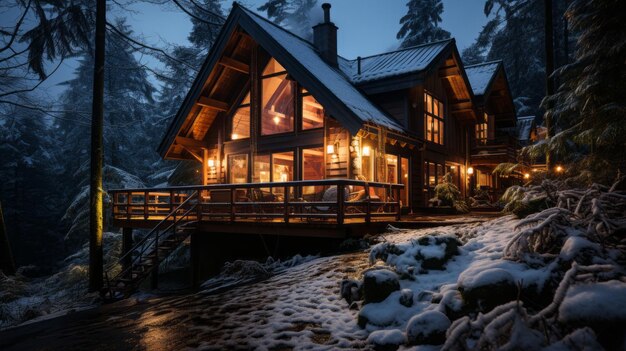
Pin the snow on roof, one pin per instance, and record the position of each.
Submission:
(481, 75)
(333, 79)
(524, 126)
(393, 63)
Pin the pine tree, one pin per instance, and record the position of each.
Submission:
(130, 134)
(291, 14)
(420, 25)
(590, 104)
(514, 34)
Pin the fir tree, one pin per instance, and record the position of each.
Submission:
(590, 105)
(292, 14)
(420, 25)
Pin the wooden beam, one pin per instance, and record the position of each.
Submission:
(460, 105)
(212, 103)
(190, 143)
(446, 72)
(234, 64)
(192, 153)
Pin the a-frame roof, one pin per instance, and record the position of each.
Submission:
(328, 84)
(482, 75)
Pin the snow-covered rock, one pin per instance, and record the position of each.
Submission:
(487, 289)
(386, 339)
(603, 303)
(428, 327)
(378, 284)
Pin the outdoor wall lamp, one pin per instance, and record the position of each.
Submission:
(332, 149)
(366, 151)
(470, 170)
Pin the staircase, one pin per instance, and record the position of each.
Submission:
(145, 256)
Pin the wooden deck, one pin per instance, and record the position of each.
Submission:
(320, 208)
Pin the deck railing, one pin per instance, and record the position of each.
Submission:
(330, 200)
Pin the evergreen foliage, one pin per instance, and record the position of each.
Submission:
(514, 33)
(420, 25)
(295, 15)
(589, 107)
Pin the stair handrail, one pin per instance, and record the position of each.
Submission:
(147, 236)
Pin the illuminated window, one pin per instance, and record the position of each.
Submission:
(313, 163)
(481, 131)
(404, 179)
(261, 172)
(240, 128)
(277, 100)
(238, 168)
(312, 112)
(434, 119)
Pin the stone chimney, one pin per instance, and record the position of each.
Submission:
(325, 37)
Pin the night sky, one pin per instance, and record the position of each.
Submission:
(366, 27)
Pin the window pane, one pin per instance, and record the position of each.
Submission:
(392, 168)
(283, 167)
(440, 173)
(278, 105)
(436, 107)
(432, 173)
(273, 67)
(404, 174)
(312, 113)
(313, 164)
(246, 100)
(429, 104)
(261, 169)
(238, 168)
(241, 123)
(441, 133)
(440, 109)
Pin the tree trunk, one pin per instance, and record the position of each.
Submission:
(549, 46)
(96, 219)
(7, 264)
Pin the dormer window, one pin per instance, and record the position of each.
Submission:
(434, 119)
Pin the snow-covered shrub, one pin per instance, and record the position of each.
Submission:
(448, 194)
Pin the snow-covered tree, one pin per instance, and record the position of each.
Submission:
(589, 107)
(295, 15)
(514, 33)
(420, 25)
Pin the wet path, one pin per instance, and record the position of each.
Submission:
(299, 309)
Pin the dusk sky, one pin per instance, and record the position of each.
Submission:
(366, 27)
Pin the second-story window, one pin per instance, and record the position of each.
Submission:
(312, 112)
(434, 119)
(481, 131)
(277, 100)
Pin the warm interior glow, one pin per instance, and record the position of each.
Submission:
(234, 136)
(452, 167)
(330, 149)
(526, 175)
(211, 162)
(470, 170)
(366, 150)
(276, 120)
(559, 169)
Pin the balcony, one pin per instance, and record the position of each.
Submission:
(495, 151)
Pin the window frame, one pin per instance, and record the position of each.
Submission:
(438, 117)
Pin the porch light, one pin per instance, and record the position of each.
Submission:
(332, 148)
(559, 169)
(211, 162)
(526, 175)
(366, 151)
(452, 167)
(470, 170)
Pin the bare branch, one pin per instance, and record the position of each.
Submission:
(17, 28)
(194, 16)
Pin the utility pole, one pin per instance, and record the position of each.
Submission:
(96, 218)
(549, 48)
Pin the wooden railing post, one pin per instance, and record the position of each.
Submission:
(340, 203)
(232, 204)
(398, 204)
(129, 196)
(145, 204)
(286, 203)
(368, 205)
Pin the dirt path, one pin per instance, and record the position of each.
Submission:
(299, 309)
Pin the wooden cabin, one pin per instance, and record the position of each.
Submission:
(293, 140)
(495, 138)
